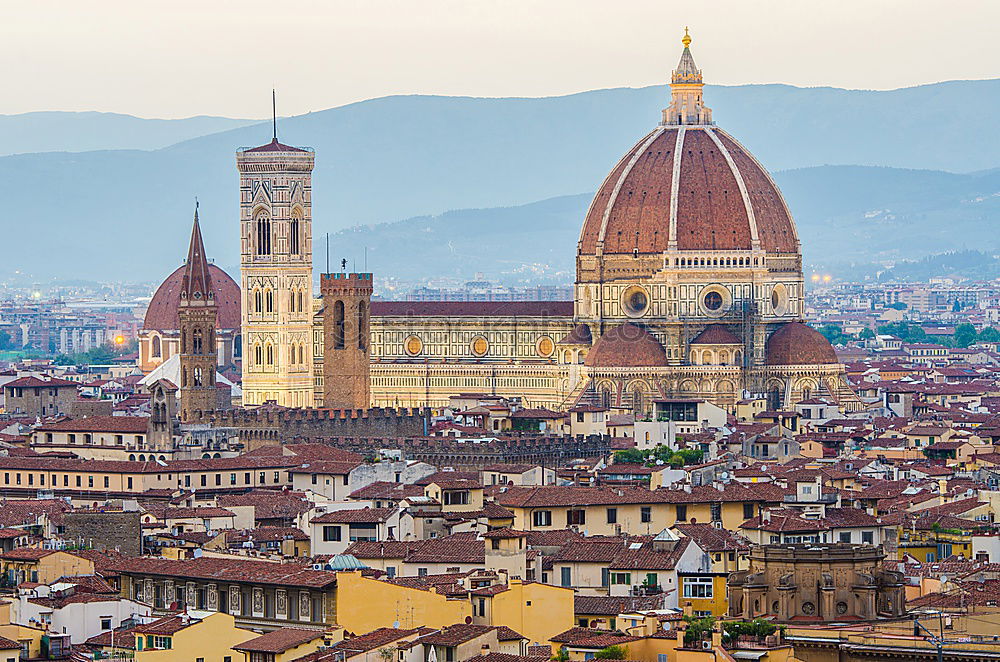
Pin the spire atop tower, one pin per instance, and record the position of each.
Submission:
(274, 116)
(686, 84)
(196, 285)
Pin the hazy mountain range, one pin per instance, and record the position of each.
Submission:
(523, 163)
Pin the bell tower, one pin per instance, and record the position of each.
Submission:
(276, 273)
(346, 340)
(197, 315)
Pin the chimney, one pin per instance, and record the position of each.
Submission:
(942, 487)
(688, 609)
(485, 650)
(765, 517)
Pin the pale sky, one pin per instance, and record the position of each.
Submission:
(221, 57)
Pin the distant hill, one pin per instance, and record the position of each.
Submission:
(850, 220)
(57, 131)
(125, 214)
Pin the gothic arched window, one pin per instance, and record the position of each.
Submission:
(293, 237)
(302, 353)
(258, 355)
(270, 354)
(196, 342)
(268, 301)
(302, 306)
(338, 325)
(198, 376)
(263, 227)
(258, 301)
(362, 325)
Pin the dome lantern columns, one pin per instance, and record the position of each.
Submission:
(686, 87)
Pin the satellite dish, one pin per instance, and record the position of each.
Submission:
(395, 624)
(468, 620)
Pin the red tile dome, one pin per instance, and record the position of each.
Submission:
(796, 343)
(693, 187)
(627, 346)
(161, 315)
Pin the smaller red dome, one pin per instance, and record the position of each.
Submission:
(161, 315)
(796, 343)
(716, 334)
(627, 346)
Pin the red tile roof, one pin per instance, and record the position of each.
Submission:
(280, 640)
(230, 570)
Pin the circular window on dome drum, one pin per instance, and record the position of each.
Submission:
(413, 345)
(779, 299)
(545, 346)
(480, 346)
(715, 300)
(635, 301)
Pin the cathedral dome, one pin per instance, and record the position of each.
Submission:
(627, 346)
(687, 185)
(795, 343)
(161, 315)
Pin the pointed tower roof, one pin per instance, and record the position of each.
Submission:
(196, 285)
(687, 71)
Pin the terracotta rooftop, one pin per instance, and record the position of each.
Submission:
(280, 640)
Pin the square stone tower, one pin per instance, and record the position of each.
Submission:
(276, 273)
(346, 340)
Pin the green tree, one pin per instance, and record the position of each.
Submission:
(905, 331)
(866, 334)
(561, 655)
(834, 334)
(965, 335)
(698, 628)
(612, 653)
(5, 341)
(989, 334)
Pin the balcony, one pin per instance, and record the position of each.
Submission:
(822, 498)
(645, 590)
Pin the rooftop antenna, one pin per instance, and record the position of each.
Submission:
(327, 252)
(274, 116)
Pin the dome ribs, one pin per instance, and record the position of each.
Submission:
(774, 222)
(707, 219)
(590, 236)
(642, 207)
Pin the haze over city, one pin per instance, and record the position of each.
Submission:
(221, 58)
(500, 331)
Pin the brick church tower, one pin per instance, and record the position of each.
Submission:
(196, 313)
(346, 340)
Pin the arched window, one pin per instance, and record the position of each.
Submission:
(268, 301)
(302, 298)
(258, 301)
(338, 325)
(258, 355)
(291, 302)
(362, 325)
(197, 345)
(293, 237)
(263, 235)
(302, 353)
(198, 381)
(157, 348)
(184, 377)
(270, 354)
